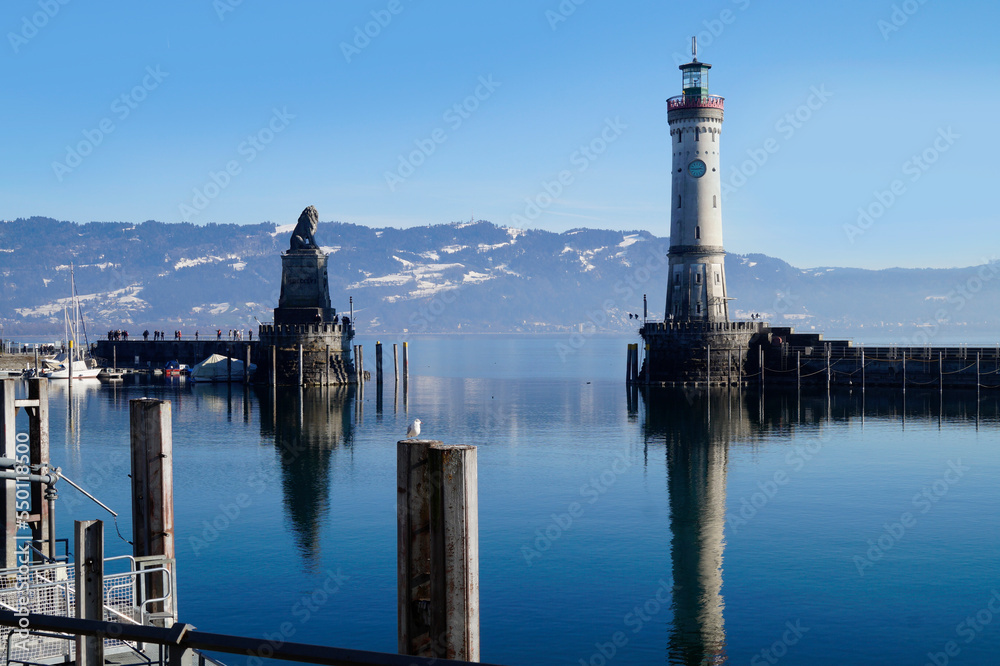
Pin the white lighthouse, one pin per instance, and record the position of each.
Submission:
(697, 284)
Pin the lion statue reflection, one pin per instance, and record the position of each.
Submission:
(304, 236)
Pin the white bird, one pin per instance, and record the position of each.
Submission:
(414, 430)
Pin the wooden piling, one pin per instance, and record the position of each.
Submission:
(977, 374)
(438, 550)
(89, 570)
(378, 363)
(739, 369)
(829, 350)
(760, 361)
(301, 368)
(862, 369)
(151, 433)
(941, 371)
(8, 449)
(798, 371)
(413, 545)
(455, 550)
(645, 377)
(38, 443)
(628, 363)
(635, 362)
(904, 370)
(395, 363)
(708, 365)
(406, 361)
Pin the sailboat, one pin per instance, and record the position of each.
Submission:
(72, 364)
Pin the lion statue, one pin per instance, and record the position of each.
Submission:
(304, 235)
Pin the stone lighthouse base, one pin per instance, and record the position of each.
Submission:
(322, 351)
(691, 352)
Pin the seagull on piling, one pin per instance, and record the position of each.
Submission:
(414, 430)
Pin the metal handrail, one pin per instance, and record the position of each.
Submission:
(182, 637)
(144, 658)
(695, 102)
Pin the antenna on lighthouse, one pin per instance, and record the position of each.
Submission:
(694, 48)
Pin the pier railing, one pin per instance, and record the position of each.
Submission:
(651, 326)
(51, 590)
(893, 352)
(180, 645)
(695, 102)
(210, 336)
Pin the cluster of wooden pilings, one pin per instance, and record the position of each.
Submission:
(437, 525)
(34, 505)
(359, 355)
(152, 476)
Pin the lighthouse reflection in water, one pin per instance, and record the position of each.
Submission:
(694, 428)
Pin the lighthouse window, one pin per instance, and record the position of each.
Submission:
(697, 278)
(716, 278)
(698, 308)
(678, 136)
(678, 201)
(713, 137)
(715, 199)
(697, 233)
(696, 134)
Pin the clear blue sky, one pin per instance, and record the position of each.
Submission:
(183, 85)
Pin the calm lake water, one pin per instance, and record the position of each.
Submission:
(616, 526)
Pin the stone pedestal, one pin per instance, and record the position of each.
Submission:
(304, 318)
(690, 352)
(305, 290)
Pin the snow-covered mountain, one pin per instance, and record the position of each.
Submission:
(461, 277)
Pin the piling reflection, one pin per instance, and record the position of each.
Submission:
(307, 425)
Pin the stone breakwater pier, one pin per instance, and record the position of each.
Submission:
(141, 354)
(755, 354)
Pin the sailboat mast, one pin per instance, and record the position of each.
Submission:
(76, 305)
(66, 327)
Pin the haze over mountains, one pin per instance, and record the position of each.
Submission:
(452, 278)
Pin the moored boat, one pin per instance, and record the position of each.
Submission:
(175, 369)
(219, 368)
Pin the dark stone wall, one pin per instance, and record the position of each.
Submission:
(315, 340)
(696, 352)
(156, 354)
(678, 353)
